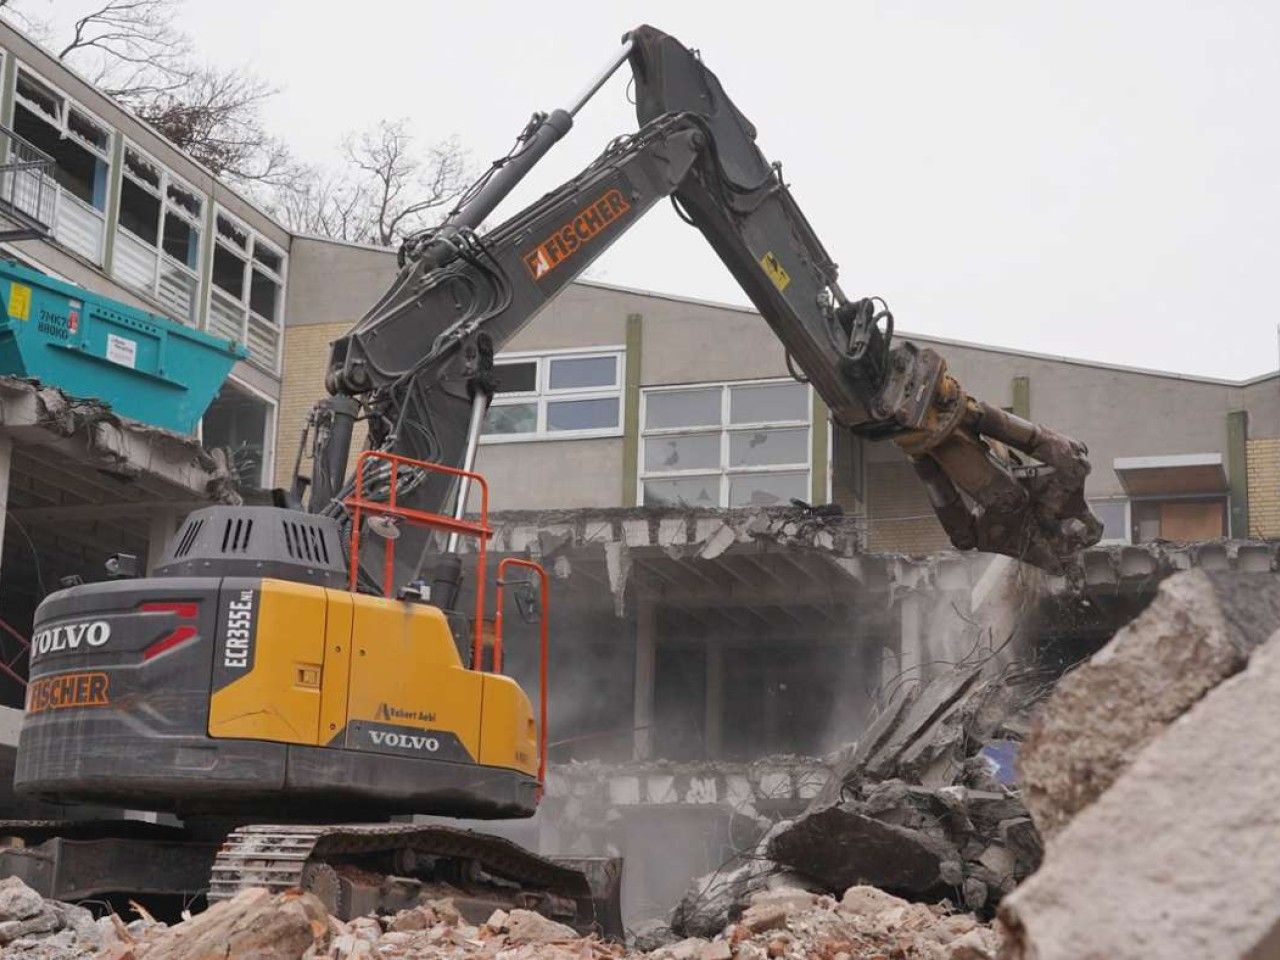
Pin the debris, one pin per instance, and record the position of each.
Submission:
(842, 846)
(34, 928)
(1188, 829)
(1198, 630)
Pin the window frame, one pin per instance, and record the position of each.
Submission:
(543, 394)
(1127, 503)
(196, 223)
(60, 124)
(725, 428)
(271, 426)
(246, 253)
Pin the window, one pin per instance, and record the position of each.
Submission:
(158, 237)
(725, 445)
(242, 423)
(247, 294)
(1114, 515)
(81, 146)
(557, 396)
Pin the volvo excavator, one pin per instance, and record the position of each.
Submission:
(291, 679)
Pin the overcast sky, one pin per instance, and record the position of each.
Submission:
(1094, 179)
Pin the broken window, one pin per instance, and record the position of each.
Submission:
(246, 299)
(557, 396)
(241, 423)
(81, 148)
(158, 235)
(758, 454)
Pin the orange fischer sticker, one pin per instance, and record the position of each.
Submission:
(575, 234)
(68, 690)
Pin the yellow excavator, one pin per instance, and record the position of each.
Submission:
(292, 677)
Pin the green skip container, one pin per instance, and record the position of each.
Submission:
(147, 367)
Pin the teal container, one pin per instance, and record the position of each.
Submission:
(147, 367)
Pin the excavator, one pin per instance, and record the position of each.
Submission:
(292, 680)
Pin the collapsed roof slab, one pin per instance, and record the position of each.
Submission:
(81, 483)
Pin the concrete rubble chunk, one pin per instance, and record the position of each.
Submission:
(1199, 630)
(842, 847)
(1180, 856)
(18, 901)
(865, 901)
(254, 923)
(529, 927)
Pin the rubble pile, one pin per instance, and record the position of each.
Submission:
(787, 924)
(917, 808)
(33, 928)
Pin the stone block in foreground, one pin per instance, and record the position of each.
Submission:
(1179, 858)
(1199, 630)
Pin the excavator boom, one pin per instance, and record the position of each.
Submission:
(419, 364)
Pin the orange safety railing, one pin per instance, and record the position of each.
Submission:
(543, 638)
(359, 505)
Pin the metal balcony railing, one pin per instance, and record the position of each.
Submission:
(28, 192)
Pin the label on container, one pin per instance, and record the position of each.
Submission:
(122, 350)
(19, 301)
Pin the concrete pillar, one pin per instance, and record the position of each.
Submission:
(646, 664)
(713, 723)
(913, 647)
(162, 525)
(6, 460)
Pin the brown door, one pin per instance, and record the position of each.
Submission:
(1192, 519)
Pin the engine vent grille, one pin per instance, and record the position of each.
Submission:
(188, 538)
(305, 542)
(235, 536)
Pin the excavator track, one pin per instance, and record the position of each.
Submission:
(360, 868)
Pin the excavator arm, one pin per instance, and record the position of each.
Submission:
(418, 367)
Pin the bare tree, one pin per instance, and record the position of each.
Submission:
(132, 50)
(215, 116)
(131, 47)
(386, 191)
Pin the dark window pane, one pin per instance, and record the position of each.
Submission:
(139, 212)
(569, 373)
(230, 232)
(181, 240)
(582, 414)
(88, 130)
(185, 199)
(266, 256)
(263, 296)
(141, 169)
(519, 377)
(46, 101)
(228, 272)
